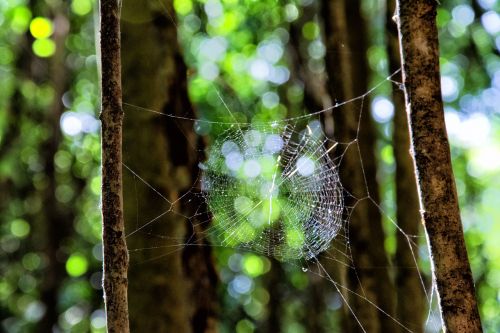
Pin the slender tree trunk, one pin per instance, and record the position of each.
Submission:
(341, 87)
(380, 266)
(274, 282)
(347, 73)
(113, 229)
(408, 283)
(316, 98)
(172, 286)
(315, 93)
(340, 83)
(316, 304)
(431, 153)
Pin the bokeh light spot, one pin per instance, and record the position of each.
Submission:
(305, 166)
(183, 7)
(491, 22)
(44, 47)
(81, 7)
(252, 168)
(310, 30)
(41, 27)
(245, 326)
(273, 143)
(20, 228)
(6, 56)
(71, 124)
(383, 109)
(243, 204)
(234, 160)
(21, 17)
(463, 14)
(253, 265)
(76, 265)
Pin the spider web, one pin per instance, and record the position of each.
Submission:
(273, 188)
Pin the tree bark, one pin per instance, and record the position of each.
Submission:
(431, 154)
(172, 287)
(408, 282)
(113, 229)
(347, 74)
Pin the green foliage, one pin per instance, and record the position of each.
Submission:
(239, 49)
(27, 127)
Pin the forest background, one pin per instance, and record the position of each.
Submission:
(268, 58)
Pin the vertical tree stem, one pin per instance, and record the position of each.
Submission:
(113, 236)
(347, 78)
(431, 154)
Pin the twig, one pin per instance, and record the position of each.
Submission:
(113, 233)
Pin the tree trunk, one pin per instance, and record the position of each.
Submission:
(316, 98)
(380, 266)
(113, 233)
(408, 282)
(431, 154)
(347, 71)
(274, 282)
(171, 287)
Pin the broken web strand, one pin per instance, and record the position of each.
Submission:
(210, 230)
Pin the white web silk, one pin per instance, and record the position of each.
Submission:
(273, 190)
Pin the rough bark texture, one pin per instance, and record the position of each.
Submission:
(431, 153)
(113, 233)
(410, 309)
(172, 286)
(347, 71)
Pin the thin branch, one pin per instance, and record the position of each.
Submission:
(113, 233)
